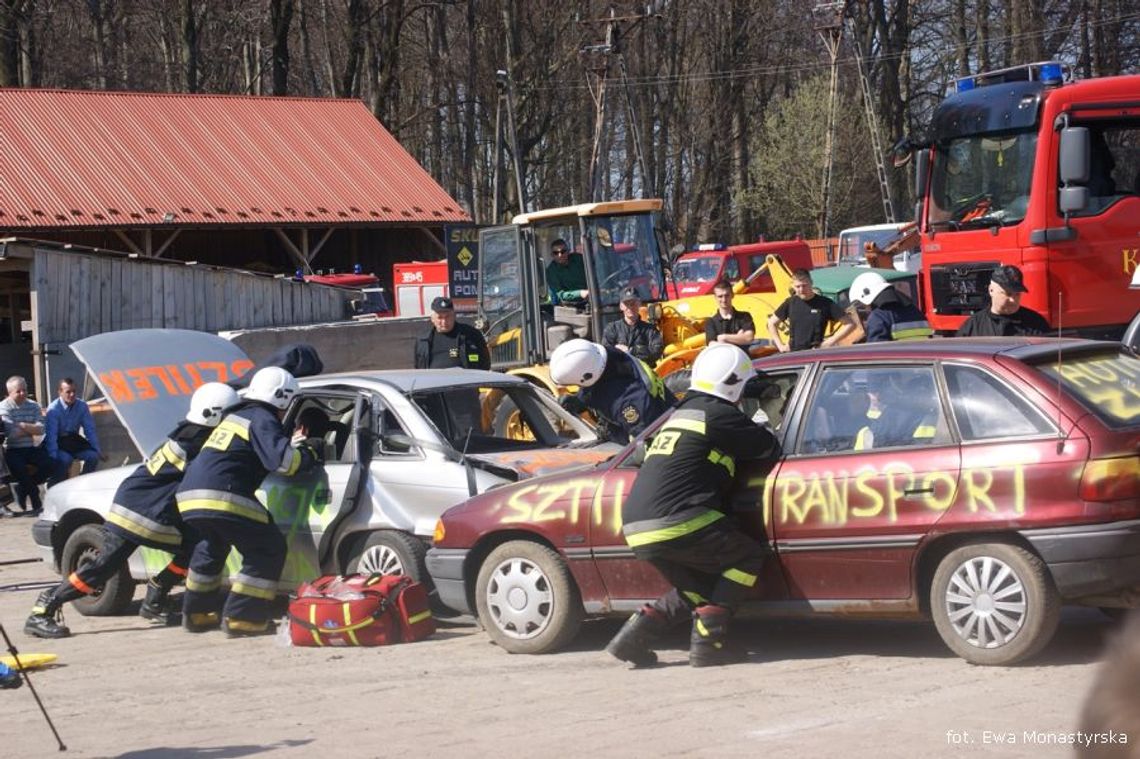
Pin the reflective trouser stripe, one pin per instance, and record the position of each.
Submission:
(739, 577)
(700, 625)
(220, 500)
(136, 524)
(200, 583)
(675, 531)
(82, 587)
(695, 597)
(254, 586)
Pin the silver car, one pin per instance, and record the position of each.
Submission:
(402, 447)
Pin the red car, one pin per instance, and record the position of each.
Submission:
(979, 482)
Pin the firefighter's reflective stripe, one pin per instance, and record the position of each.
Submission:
(658, 530)
(924, 432)
(222, 500)
(169, 452)
(290, 462)
(136, 524)
(864, 439)
(655, 384)
(232, 426)
(687, 420)
(728, 462)
(176, 569)
(914, 330)
(696, 598)
(79, 585)
(257, 587)
(739, 577)
(199, 583)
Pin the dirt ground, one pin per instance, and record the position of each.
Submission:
(812, 688)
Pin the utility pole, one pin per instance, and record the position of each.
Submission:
(607, 54)
(505, 83)
(828, 22)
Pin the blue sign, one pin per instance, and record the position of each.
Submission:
(463, 264)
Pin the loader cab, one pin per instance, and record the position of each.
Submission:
(522, 318)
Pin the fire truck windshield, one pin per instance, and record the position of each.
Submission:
(982, 180)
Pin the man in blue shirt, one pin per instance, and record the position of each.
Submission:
(65, 417)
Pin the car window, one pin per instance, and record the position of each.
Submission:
(859, 409)
(732, 269)
(325, 421)
(1107, 383)
(986, 408)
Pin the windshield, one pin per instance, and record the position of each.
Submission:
(1108, 384)
(702, 269)
(982, 180)
(625, 255)
(499, 419)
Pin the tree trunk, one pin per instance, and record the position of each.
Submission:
(189, 48)
(281, 22)
(9, 44)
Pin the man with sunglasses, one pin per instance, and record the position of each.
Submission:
(566, 275)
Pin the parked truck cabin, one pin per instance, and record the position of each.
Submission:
(854, 240)
(1028, 167)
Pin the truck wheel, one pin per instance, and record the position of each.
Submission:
(83, 547)
(526, 598)
(508, 422)
(390, 552)
(994, 603)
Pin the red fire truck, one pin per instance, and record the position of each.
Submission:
(1024, 166)
(695, 272)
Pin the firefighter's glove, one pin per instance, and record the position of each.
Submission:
(573, 404)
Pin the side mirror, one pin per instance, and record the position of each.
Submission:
(901, 152)
(922, 172)
(1073, 199)
(396, 442)
(1075, 155)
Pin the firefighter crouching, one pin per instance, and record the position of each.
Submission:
(217, 498)
(673, 517)
(144, 513)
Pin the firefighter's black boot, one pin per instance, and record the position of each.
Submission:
(634, 641)
(239, 628)
(47, 617)
(201, 621)
(157, 607)
(708, 645)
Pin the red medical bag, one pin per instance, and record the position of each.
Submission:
(359, 610)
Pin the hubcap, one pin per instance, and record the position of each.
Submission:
(986, 602)
(381, 560)
(519, 599)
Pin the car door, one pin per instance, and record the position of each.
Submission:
(873, 468)
(309, 505)
(1013, 469)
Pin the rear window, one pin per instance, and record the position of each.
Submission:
(1107, 383)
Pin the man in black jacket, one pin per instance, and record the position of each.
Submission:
(1006, 316)
(450, 343)
(632, 335)
(674, 516)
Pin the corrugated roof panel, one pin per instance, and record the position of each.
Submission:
(91, 159)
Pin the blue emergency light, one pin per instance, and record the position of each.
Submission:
(711, 246)
(357, 269)
(965, 84)
(1051, 74)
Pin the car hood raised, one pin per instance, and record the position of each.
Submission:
(148, 375)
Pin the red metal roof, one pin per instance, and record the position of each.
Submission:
(102, 159)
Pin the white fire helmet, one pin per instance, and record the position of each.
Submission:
(867, 287)
(274, 386)
(577, 362)
(721, 370)
(209, 402)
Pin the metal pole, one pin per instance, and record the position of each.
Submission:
(24, 673)
(495, 189)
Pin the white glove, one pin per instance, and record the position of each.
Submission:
(760, 418)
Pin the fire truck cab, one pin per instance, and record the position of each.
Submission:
(1024, 166)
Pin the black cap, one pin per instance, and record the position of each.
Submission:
(629, 293)
(442, 304)
(1008, 278)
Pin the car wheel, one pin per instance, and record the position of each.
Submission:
(390, 552)
(526, 598)
(83, 547)
(994, 603)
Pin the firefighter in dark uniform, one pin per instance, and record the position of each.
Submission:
(217, 498)
(619, 389)
(674, 515)
(144, 513)
(892, 318)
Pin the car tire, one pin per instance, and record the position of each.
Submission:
(84, 546)
(968, 587)
(526, 599)
(390, 552)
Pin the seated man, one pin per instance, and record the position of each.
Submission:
(29, 463)
(566, 275)
(66, 416)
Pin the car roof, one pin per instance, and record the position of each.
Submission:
(1019, 348)
(409, 380)
(836, 278)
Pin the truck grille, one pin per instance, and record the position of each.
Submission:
(961, 288)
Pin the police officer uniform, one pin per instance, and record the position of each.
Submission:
(627, 397)
(218, 498)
